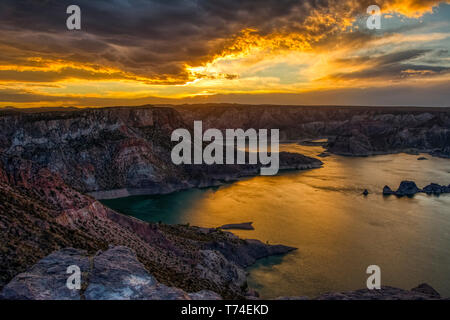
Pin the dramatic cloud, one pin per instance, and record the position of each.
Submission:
(130, 49)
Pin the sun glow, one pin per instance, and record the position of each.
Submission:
(329, 49)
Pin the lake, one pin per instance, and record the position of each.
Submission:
(322, 212)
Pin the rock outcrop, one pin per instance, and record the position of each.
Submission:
(409, 188)
(387, 191)
(50, 161)
(351, 131)
(115, 274)
(421, 292)
(246, 255)
(39, 214)
(436, 189)
(114, 152)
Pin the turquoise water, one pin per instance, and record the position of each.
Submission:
(338, 232)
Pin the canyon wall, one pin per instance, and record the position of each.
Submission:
(352, 131)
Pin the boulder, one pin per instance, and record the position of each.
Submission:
(427, 290)
(433, 188)
(115, 274)
(407, 188)
(47, 279)
(387, 191)
(436, 189)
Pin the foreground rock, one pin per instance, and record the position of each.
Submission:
(422, 292)
(246, 255)
(115, 274)
(40, 214)
(47, 279)
(409, 188)
(238, 226)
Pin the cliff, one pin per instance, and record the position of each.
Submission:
(352, 131)
(51, 161)
(40, 214)
(115, 152)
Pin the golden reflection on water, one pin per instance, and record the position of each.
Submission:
(338, 231)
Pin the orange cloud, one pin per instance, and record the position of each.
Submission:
(311, 38)
(411, 8)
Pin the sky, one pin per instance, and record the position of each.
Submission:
(312, 52)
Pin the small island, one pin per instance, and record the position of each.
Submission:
(238, 226)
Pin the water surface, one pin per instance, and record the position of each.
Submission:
(338, 232)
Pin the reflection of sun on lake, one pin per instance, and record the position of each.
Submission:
(338, 232)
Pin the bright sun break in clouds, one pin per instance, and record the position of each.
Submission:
(295, 52)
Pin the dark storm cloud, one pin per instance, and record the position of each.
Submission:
(156, 39)
(153, 38)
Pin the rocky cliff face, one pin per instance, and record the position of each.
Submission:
(49, 161)
(352, 131)
(96, 149)
(114, 152)
(120, 151)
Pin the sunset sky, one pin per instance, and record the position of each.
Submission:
(134, 52)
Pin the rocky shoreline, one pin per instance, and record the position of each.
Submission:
(189, 258)
(217, 176)
(409, 188)
(350, 131)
